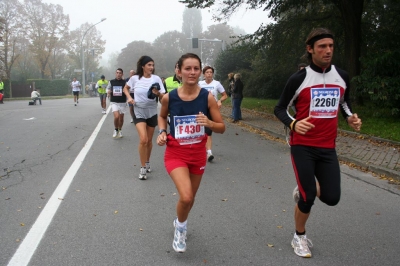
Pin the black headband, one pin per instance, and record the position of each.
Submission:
(319, 37)
(145, 60)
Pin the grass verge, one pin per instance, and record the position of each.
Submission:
(376, 122)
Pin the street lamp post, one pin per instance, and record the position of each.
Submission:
(208, 40)
(83, 60)
(92, 49)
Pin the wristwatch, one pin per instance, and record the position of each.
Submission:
(161, 131)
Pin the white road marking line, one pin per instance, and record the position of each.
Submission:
(28, 246)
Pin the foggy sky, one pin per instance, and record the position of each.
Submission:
(129, 20)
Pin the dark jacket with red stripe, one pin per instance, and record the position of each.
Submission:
(309, 91)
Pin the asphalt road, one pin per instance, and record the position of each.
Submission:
(243, 213)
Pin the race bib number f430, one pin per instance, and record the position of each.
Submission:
(324, 102)
(187, 131)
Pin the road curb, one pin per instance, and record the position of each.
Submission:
(368, 167)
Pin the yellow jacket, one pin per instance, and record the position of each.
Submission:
(101, 86)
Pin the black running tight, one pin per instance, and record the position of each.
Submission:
(310, 164)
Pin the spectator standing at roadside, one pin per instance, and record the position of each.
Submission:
(231, 81)
(317, 92)
(237, 97)
(101, 87)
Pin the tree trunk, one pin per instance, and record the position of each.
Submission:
(352, 14)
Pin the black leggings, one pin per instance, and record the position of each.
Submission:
(310, 163)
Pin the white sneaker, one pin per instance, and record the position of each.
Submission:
(131, 120)
(142, 174)
(179, 242)
(103, 111)
(119, 134)
(148, 169)
(115, 134)
(302, 245)
(75, 104)
(210, 157)
(296, 194)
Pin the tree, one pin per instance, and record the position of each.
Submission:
(192, 23)
(10, 11)
(93, 46)
(171, 45)
(350, 11)
(210, 49)
(25, 66)
(234, 59)
(130, 55)
(2, 57)
(379, 80)
(46, 24)
(112, 65)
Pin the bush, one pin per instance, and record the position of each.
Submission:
(47, 87)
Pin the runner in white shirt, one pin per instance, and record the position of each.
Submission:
(146, 87)
(215, 88)
(76, 88)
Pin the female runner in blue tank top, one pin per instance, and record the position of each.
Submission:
(185, 155)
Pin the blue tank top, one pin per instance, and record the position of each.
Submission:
(177, 107)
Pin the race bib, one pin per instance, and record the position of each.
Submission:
(187, 131)
(212, 90)
(324, 102)
(117, 90)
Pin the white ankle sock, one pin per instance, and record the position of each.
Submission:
(182, 225)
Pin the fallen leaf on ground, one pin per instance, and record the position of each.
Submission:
(280, 226)
(115, 212)
(270, 245)
(22, 224)
(225, 200)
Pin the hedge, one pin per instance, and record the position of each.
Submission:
(55, 87)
